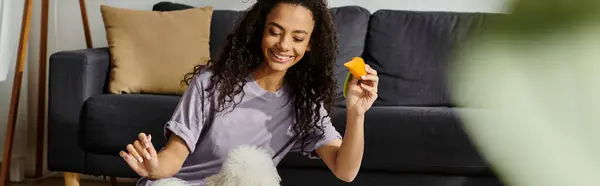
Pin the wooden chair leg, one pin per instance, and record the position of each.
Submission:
(86, 24)
(42, 82)
(71, 179)
(113, 181)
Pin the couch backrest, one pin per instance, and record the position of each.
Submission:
(351, 24)
(222, 24)
(411, 50)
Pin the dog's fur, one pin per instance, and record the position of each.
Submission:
(244, 166)
(170, 182)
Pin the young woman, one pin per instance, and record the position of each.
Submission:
(273, 82)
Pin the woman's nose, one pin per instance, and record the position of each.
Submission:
(283, 44)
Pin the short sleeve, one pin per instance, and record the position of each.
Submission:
(315, 140)
(187, 119)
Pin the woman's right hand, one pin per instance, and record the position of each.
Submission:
(141, 156)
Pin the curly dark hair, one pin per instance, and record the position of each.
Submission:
(311, 80)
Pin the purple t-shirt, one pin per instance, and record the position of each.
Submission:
(262, 119)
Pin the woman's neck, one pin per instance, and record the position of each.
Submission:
(268, 79)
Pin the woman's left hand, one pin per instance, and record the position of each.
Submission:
(362, 93)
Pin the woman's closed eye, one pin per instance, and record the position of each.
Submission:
(274, 33)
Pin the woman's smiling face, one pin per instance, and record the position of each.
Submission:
(286, 36)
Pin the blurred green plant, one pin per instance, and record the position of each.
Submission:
(529, 83)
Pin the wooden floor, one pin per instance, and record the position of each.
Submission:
(60, 182)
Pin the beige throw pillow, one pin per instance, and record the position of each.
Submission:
(151, 51)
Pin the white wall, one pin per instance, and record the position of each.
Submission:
(70, 31)
(9, 41)
(24, 141)
(66, 33)
(3, 63)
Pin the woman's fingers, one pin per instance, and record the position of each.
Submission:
(141, 150)
(370, 70)
(133, 152)
(371, 81)
(372, 78)
(138, 151)
(144, 140)
(369, 89)
(150, 147)
(131, 161)
(126, 156)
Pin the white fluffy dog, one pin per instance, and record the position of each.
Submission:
(244, 166)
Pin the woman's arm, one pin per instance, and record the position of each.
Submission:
(146, 162)
(171, 158)
(183, 132)
(345, 157)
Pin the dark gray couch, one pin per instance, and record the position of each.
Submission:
(413, 133)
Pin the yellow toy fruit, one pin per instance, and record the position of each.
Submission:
(356, 67)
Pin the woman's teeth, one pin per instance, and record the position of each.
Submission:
(281, 57)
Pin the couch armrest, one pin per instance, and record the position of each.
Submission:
(74, 76)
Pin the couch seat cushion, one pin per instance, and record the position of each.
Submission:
(411, 139)
(109, 122)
